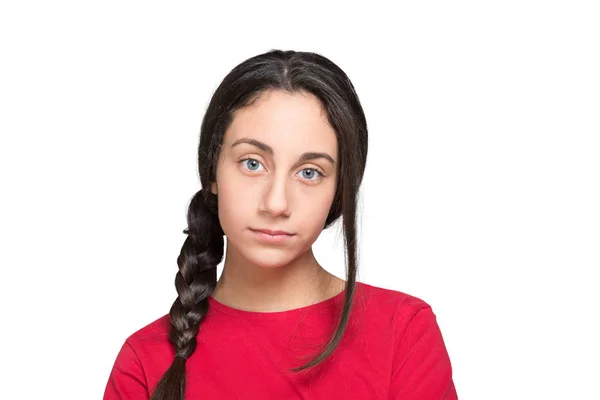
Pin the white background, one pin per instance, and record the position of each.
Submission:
(481, 194)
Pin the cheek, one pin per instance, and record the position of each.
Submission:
(312, 214)
(233, 211)
(233, 200)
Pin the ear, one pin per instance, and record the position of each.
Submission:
(213, 187)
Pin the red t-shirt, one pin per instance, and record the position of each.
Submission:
(392, 349)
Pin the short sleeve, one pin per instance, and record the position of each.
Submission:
(127, 380)
(421, 368)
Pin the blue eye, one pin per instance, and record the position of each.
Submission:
(313, 172)
(253, 164)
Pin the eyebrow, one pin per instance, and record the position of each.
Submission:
(268, 149)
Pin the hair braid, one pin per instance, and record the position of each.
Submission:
(200, 254)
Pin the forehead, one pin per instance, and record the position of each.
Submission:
(287, 122)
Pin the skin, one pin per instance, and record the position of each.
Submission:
(278, 192)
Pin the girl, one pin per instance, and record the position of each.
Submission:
(283, 147)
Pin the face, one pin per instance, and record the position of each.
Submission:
(277, 170)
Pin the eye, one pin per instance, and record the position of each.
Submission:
(311, 174)
(253, 163)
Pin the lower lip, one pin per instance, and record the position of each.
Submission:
(265, 237)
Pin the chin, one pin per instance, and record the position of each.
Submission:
(270, 259)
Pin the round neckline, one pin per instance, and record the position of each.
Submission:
(271, 315)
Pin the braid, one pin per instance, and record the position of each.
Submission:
(200, 254)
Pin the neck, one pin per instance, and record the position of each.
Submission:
(247, 286)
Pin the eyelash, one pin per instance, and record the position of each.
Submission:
(321, 175)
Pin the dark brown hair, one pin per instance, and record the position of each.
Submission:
(203, 248)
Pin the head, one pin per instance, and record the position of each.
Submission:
(283, 146)
(277, 170)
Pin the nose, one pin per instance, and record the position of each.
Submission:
(275, 200)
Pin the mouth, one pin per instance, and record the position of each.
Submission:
(273, 237)
(273, 232)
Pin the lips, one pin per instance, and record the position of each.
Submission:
(273, 232)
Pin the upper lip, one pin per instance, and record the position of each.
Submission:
(272, 232)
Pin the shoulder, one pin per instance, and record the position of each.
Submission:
(391, 310)
(152, 331)
(143, 357)
(419, 361)
(147, 348)
(389, 301)
(151, 338)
